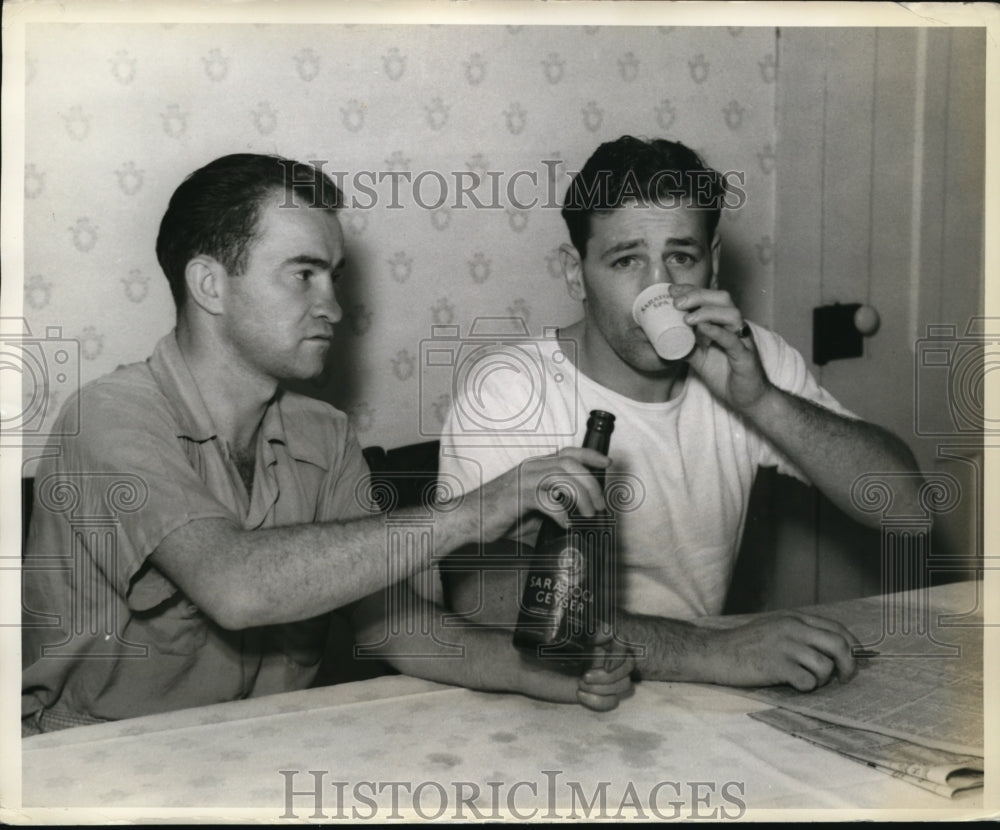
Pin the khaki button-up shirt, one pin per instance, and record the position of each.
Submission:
(106, 634)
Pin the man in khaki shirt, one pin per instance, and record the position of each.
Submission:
(191, 540)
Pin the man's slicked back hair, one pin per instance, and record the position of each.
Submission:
(660, 173)
(214, 212)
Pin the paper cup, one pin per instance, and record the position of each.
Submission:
(664, 325)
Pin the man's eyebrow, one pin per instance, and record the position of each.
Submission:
(316, 262)
(686, 241)
(628, 244)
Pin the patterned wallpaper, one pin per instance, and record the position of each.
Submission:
(117, 115)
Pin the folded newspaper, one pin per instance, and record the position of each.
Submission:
(937, 770)
(914, 708)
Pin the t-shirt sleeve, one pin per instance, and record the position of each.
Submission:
(128, 472)
(786, 369)
(464, 466)
(469, 459)
(471, 455)
(473, 452)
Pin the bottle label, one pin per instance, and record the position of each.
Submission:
(559, 590)
(557, 604)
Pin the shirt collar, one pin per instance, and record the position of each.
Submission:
(171, 372)
(293, 420)
(287, 420)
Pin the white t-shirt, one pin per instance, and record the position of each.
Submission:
(681, 470)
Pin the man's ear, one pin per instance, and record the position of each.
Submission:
(572, 265)
(716, 249)
(206, 283)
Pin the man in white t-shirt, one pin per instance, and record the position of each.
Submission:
(690, 433)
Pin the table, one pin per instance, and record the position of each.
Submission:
(405, 747)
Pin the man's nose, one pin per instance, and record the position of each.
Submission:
(658, 272)
(326, 304)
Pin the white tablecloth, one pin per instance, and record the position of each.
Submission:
(423, 750)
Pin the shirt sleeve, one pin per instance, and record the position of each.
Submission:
(346, 493)
(786, 369)
(126, 470)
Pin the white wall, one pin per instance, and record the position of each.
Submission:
(117, 115)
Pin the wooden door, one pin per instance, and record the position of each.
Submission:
(880, 200)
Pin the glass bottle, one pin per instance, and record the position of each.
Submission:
(569, 588)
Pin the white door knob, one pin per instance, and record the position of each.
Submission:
(866, 320)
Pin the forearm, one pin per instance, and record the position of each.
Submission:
(664, 649)
(490, 663)
(476, 658)
(667, 649)
(802, 650)
(244, 578)
(834, 451)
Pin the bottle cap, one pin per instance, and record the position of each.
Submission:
(601, 420)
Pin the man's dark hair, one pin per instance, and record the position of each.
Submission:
(660, 173)
(214, 211)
